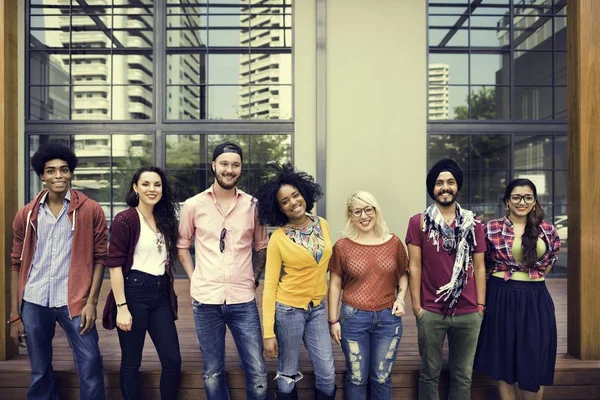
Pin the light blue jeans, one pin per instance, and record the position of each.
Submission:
(244, 323)
(294, 325)
(370, 340)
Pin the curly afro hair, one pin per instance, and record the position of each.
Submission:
(52, 151)
(269, 212)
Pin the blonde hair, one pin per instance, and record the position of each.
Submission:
(364, 199)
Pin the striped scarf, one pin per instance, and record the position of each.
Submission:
(464, 245)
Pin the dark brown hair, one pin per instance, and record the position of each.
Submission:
(534, 219)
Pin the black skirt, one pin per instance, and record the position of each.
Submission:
(517, 342)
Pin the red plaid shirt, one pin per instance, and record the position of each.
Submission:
(500, 237)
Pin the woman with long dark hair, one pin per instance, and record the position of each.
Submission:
(142, 249)
(296, 282)
(517, 342)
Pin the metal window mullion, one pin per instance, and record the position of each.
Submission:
(112, 189)
(469, 58)
(159, 98)
(511, 61)
(512, 156)
(71, 82)
(112, 69)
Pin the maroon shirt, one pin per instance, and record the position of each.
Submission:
(436, 268)
(124, 235)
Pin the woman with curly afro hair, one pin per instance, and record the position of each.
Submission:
(296, 282)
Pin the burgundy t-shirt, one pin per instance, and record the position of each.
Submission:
(436, 268)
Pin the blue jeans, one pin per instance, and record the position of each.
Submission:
(148, 302)
(40, 323)
(369, 341)
(294, 325)
(244, 323)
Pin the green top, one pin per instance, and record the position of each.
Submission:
(517, 249)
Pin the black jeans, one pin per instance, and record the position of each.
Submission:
(147, 300)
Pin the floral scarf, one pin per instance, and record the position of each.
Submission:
(309, 237)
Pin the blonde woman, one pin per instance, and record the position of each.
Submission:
(370, 265)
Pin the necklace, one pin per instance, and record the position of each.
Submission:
(160, 239)
(299, 226)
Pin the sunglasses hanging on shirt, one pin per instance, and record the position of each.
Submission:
(448, 239)
(222, 240)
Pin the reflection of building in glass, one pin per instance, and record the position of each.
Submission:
(114, 86)
(537, 32)
(189, 68)
(438, 97)
(264, 78)
(48, 102)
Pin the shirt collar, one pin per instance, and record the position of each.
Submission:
(211, 190)
(67, 197)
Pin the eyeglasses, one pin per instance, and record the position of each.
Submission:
(222, 240)
(449, 240)
(357, 212)
(516, 198)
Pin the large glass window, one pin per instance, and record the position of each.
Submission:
(127, 83)
(497, 101)
(497, 60)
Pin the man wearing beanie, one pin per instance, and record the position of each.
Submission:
(446, 246)
(222, 221)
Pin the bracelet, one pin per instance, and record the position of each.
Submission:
(481, 307)
(333, 322)
(14, 320)
(401, 301)
(479, 304)
(122, 304)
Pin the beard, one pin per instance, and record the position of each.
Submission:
(226, 186)
(445, 203)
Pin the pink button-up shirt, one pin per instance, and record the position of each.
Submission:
(225, 277)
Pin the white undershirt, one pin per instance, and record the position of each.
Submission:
(146, 257)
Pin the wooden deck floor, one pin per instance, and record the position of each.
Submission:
(574, 379)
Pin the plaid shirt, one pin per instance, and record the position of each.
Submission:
(500, 237)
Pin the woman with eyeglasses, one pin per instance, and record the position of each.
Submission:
(142, 250)
(296, 282)
(517, 343)
(370, 265)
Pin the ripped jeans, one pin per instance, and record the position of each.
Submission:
(244, 323)
(369, 341)
(294, 325)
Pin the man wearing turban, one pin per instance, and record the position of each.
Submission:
(446, 246)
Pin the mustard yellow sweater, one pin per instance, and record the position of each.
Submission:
(304, 280)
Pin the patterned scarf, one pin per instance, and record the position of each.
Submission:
(310, 237)
(460, 240)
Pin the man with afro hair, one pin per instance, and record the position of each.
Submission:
(58, 256)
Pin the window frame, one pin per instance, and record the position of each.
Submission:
(159, 126)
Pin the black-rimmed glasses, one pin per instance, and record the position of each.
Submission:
(357, 212)
(222, 240)
(517, 198)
